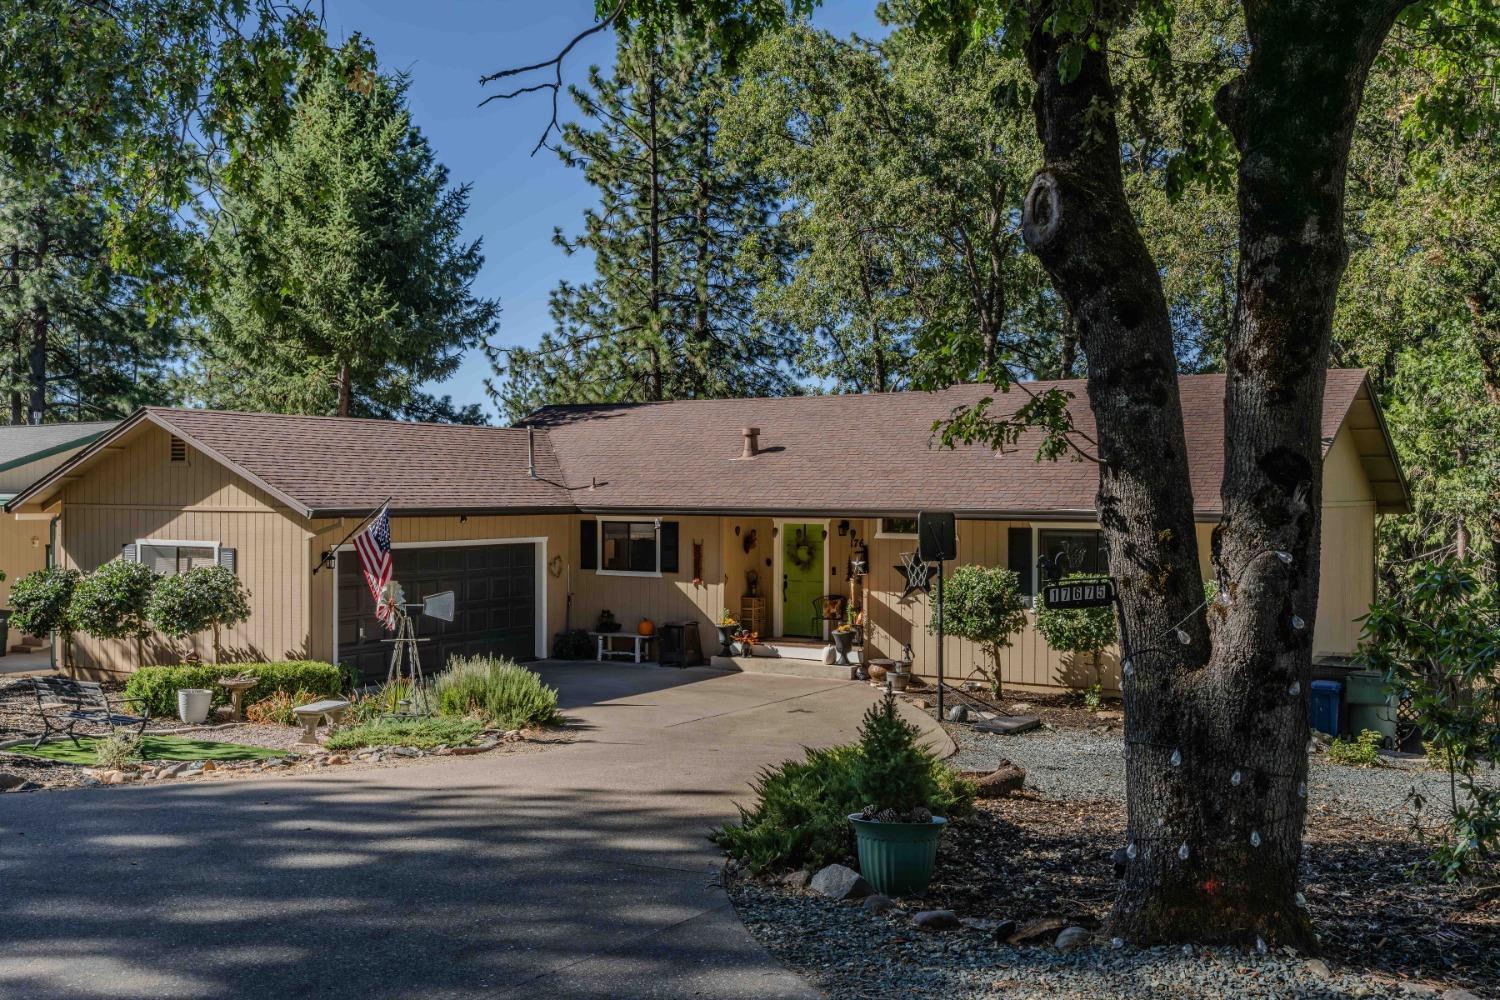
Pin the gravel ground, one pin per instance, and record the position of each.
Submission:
(1090, 764)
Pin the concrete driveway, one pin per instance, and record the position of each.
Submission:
(580, 871)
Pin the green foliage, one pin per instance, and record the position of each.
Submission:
(110, 602)
(1438, 641)
(344, 279)
(421, 734)
(1362, 751)
(202, 598)
(984, 605)
(495, 690)
(1093, 698)
(157, 686)
(276, 708)
(1076, 630)
(118, 749)
(800, 817)
(675, 243)
(42, 602)
(574, 644)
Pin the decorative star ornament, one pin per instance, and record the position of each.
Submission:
(916, 572)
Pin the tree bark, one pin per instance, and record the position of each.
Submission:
(1215, 726)
(345, 389)
(36, 364)
(653, 237)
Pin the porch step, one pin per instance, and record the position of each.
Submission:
(784, 666)
(812, 651)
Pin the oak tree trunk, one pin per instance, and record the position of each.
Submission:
(345, 389)
(1216, 696)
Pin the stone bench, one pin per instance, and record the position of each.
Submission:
(330, 710)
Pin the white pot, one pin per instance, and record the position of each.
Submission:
(193, 704)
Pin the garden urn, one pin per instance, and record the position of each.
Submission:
(193, 705)
(842, 643)
(897, 859)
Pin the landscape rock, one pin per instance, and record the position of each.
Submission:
(1021, 707)
(839, 882)
(797, 880)
(1007, 779)
(9, 781)
(89, 781)
(1071, 938)
(1036, 930)
(1319, 968)
(1003, 931)
(338, 758)
(958, 713)
(209, 765)
(1009, 725)
(26, 786)
(936, 920)
(1109, 715)
(1457, 994)
(878, 903)
(409, 751)
(195, 766)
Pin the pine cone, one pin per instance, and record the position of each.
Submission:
(921, 814)
(868, 812)
(888, 816)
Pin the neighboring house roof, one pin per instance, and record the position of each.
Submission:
(836, 455)
(875, 453)
(21, 444)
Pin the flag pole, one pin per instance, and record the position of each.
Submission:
(327, 555)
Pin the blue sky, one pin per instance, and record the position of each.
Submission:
(517, 199)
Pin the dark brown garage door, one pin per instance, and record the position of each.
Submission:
(494, 587)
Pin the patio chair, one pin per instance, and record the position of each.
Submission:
(830, 608)
(63, 703)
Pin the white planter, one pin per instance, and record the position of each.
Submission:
(193, 704)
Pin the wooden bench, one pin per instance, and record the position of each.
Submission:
(605, 651)
(63, 703)
(329, 710)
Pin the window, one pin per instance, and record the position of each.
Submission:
(172, 558)
(1081, 549)
(897, 527)
(629, 547)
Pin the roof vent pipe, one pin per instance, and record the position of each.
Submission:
(752, 442)
(531, 451)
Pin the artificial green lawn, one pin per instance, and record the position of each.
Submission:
(152, 748)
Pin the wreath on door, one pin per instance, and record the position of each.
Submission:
(802, 552)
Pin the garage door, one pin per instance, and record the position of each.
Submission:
(495, 591)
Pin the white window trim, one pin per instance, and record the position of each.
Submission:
(880, 531)
(599, 520)
(540, 541)
(178, 543)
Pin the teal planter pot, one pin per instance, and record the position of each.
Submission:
(897, 858)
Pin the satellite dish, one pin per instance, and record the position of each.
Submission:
(439, 606)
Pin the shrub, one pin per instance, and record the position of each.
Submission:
(117, 749)
(1076, 630)
(1093, 698)
(574, 644)
(41, 602)
(384, 700)
(276, 710)
(1437, 641)
(110, 603)
(801, 815)
(422, 734)
(203, 598)
(983, 604)
(495, 690)
(1362, 751)
(157, 686)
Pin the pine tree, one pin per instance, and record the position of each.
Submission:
(77, 338)
(342, 282)
(677, 241)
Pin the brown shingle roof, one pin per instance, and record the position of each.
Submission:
(339, 465)
(867, 454)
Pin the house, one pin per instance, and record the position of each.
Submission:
(651, 510)
(27, 453)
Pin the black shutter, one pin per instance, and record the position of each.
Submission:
(669, 546)
(1018, 541)
(588, 544)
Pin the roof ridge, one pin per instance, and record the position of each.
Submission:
(384, 421)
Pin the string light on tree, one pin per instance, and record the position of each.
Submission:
(1298, 623)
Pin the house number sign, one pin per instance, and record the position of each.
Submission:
(1080, 594)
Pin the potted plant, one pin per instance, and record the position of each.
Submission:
(607, 622)
(843, 639)
(896, 832)
(727, 626)
(744, 642)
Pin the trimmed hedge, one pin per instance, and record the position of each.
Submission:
(157, 686)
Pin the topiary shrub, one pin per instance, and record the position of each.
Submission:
(1077, 630)
(157, 686)
(41, 603)
(110, 602)
(203, 598)
(495, 690)
(984, 605)
(801, 815)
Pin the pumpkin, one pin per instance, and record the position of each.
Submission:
(645, 627)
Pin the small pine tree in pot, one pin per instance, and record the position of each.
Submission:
(110, 603)
(896, 832)
(203, 598)
(41, 602)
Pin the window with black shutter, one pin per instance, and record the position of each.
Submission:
(1019, 561)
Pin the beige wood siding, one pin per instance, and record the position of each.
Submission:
(137, 492)
(671, 597)
(23, 549)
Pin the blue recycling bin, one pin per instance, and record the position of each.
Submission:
(1324, 710)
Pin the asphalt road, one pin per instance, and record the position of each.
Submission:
(578, 871)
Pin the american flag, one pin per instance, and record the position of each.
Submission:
(374, 548)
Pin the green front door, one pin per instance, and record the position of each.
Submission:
(801, 578)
